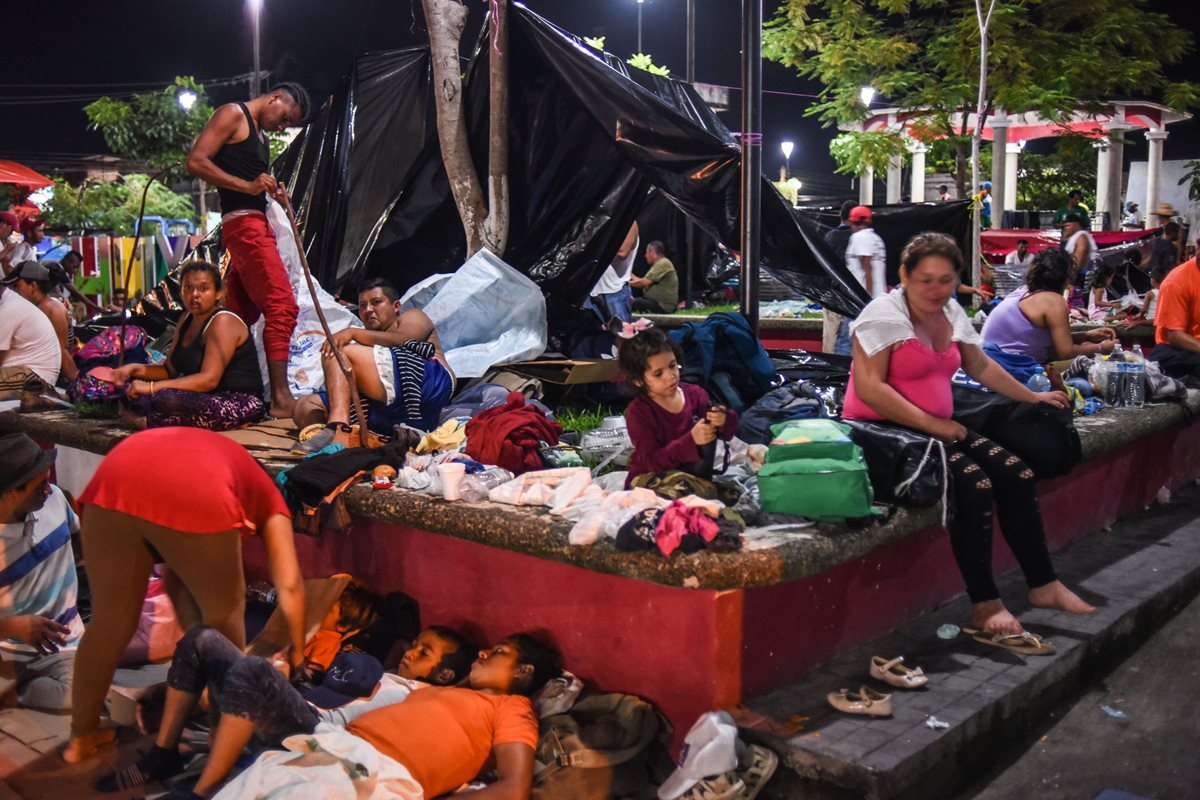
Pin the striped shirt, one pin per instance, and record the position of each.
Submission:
(37, 569)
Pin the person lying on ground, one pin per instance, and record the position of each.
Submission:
(29, 347)
(399, 368)
(32, 280)
(355, 610)
(1035, 321)
(184, 497)
(255, 697)
(435, 741)
(39, 621)
(211, 377)
(233, 154)
(907, 347)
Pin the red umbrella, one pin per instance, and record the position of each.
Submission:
(12, 172)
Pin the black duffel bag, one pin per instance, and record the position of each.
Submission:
(905, 466)
(1042, 436)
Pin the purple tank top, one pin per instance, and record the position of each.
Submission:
(1009, 329)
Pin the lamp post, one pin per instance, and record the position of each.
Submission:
(256, 14)
(640, 3)
(787, 148)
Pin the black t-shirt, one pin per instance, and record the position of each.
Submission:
(839, 240)
(1163, 253)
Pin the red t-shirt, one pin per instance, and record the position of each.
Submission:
(445, 734)
(1178, 302)
(186, 479)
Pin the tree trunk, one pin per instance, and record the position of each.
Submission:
(446, 20)
(496, 227)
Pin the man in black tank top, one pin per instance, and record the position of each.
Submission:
(233, 154)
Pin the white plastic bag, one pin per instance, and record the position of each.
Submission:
(486, 313)
(304, 356)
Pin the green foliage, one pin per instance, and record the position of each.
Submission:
(1049, 56)
(644, 61)
(1193, 175)
(113, 205)
(855, 151)
(1045, 180)
(594, 42)
(152, 127)
(583, 419)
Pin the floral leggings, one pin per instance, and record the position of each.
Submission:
(214, 411)
(983, 474)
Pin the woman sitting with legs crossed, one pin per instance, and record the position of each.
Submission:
(907, 346)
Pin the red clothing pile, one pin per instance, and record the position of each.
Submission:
(508, 435)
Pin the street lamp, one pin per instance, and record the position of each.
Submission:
(866, 94)
(640, 3)
(787, 148)
(186, 99)
(256, 14)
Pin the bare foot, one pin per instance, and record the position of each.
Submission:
(281, 410)
(81, 747)
(1055, 595)
(992, 617)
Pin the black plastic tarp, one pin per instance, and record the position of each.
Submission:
(587, 144)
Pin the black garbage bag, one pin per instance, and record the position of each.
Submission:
(1042, 436)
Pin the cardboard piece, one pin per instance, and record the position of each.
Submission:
(568, 370)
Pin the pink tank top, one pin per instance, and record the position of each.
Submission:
(921, 376)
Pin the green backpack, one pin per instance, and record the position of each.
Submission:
(814, 470)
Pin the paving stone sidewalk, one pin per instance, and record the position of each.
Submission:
(1138, 575)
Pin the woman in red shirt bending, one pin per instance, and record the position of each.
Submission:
(184, 497)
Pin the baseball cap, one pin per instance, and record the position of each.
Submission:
(29, 223)
(986, 185)
(349, 677)
(11, 218)
(710, 748)
(30, 271)
(860, 214)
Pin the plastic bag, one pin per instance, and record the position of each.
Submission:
(486, 313)
(304, 355)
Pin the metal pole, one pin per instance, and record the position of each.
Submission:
(751, 155)
(686, 287)
(255, 81)
(640, 27)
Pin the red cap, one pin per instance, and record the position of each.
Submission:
(29, 223)
(860, 214)
(11, 218)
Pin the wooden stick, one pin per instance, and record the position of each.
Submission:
(342, 363)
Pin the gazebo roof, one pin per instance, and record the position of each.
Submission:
(1125, 115)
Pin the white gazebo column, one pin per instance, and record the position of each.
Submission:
(1154, 138)
(1012, 154)
(1102, 162)
(999, 123)
(866, 186)
(1116, 171)
(894, 188)
(918, 151)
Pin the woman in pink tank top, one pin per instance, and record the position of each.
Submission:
(907, 346)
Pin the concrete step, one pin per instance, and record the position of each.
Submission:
(1138, 575)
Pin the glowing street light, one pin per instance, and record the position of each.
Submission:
(787, 148)
(866, 94)
(186, 99)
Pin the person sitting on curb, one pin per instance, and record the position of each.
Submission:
(211, 378)
(29, 348)
(32, 280)
(399, 368)
(435, 741)
(1177, 324)
(660, 285)
(255, 696)
(39, 621)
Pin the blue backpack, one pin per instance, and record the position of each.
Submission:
(723, 354)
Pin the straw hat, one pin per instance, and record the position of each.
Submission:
(1164, 210)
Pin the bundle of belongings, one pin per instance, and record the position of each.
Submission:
(508, 436)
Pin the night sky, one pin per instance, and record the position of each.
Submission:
(80, 44)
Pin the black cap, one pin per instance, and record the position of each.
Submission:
(22, 460)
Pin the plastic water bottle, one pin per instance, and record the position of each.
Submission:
(476, 487)
(1118, 354)
(1038, 382)
(1135, 377)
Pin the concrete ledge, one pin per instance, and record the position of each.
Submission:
(536, 533)
(1138, 575)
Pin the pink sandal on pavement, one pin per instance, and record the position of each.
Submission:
(894, 673)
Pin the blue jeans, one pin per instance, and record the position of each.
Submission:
(618, 304)
(843, 346)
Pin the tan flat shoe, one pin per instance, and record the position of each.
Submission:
(896, 674)
(865, 701)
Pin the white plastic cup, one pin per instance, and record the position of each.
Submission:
(451, 473)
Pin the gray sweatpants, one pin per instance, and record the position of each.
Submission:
(42, 682)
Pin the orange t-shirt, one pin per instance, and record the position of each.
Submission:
(445, 734)
(1178, 302)
(186, 479)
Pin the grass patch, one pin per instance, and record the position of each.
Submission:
(98, 409)
(583, 419)
(706, 310)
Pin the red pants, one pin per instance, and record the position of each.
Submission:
(257, 283)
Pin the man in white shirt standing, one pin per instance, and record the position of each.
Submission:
(1079, 242)
(866, 256)
(39, 619)
(1011, 276)
(611, 296)
(32, 233)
